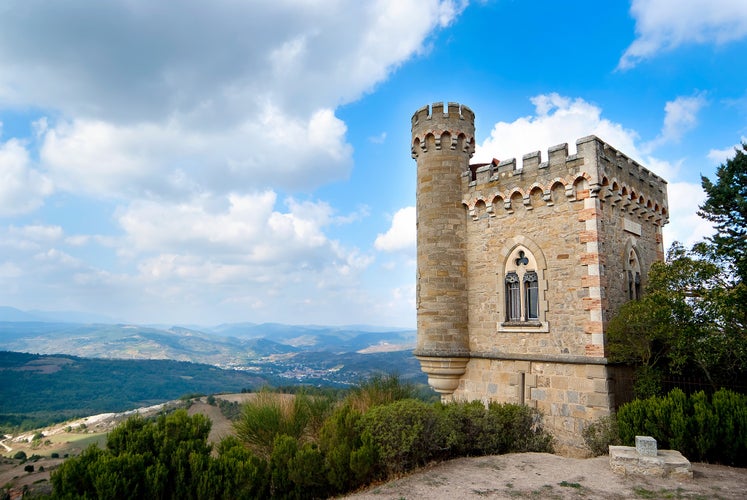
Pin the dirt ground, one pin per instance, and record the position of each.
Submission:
(546, 476)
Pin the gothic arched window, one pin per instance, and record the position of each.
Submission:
(633, 272)
(522, 287)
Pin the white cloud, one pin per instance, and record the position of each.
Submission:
(154, 100)
(22, 188)
(211, 256)
(719, 156)
(685, 225)
(102, 159)
(401, 235)
(680, 116)
(205, 62)
(664, 25)
(36, 232)
(241, 250)
(378, 139)
(557, 120)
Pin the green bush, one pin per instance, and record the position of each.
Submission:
(730, 409)
(704, 429)
(473, 429)
(235, 474)
(600, 434)
(339, 438)
(406, 434)
(283, 450)
(20, 455)
(268, 416)
(271, 414)
(165, 458)
(307, 472)
(380, 390)
(466, 428)
(515, 429)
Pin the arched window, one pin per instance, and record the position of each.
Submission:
(522, 287)
(633, 272)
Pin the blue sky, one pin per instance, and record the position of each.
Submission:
(250, 160)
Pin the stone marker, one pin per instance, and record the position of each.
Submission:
(646, 460)
(645, 446)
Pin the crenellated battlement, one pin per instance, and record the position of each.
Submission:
(596, 170)
(434, 128)
(436, 111)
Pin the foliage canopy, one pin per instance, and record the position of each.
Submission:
(693, 317)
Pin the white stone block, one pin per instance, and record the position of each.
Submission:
(645, 446)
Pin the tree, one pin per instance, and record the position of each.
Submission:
(165, 458)
(690, 320)
(726, 206)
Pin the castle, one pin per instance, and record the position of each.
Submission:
(520, 267)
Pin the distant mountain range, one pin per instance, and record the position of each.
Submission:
(308, 353)
(77, 364)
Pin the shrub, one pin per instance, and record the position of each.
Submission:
(339, 437)
(647, 382)
(466, 428)
(168, 457)
(405, 434)
(730, 409)
(379, 390)
(283, 450)
(703, 429)
(268, 416)
(516, 428)
(600, 434)
(235, 473)
(20, 455)
(307, 472)
(29, 468)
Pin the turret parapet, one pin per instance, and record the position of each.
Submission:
(431, 124)
(603, 171)
(436, 110)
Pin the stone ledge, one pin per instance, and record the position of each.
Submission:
(626, 460)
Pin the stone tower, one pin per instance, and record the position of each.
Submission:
(521, 267)
(443, 143)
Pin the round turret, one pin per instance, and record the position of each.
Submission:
(442, 144)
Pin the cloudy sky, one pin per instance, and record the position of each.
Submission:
(249, 160)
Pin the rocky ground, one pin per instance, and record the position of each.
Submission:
(546, 476)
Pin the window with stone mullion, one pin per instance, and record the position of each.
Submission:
(513, 297)
(531, 295)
